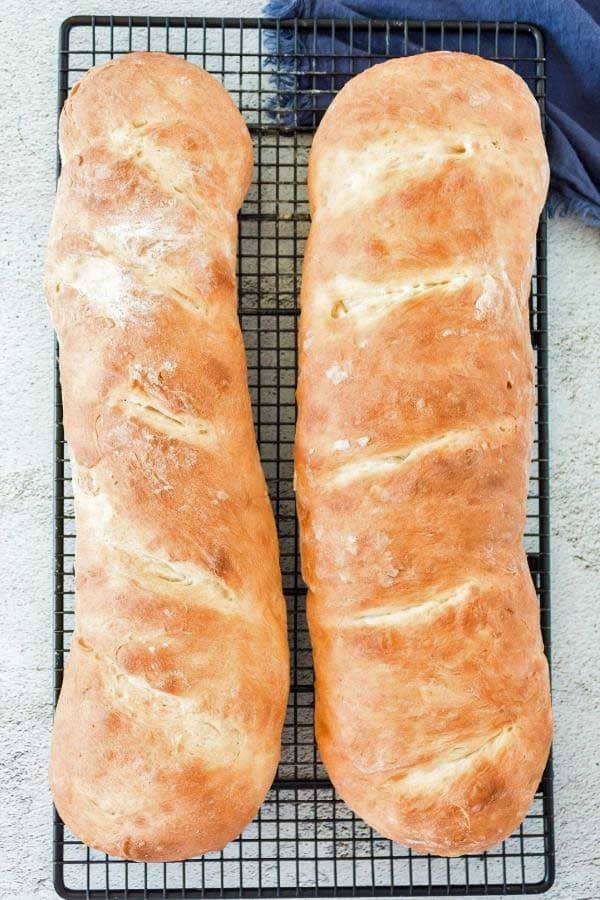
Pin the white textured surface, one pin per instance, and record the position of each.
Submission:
(28, 36)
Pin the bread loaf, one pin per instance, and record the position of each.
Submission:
(416, 391)
(167, 732)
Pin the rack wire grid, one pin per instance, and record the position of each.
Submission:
(304, 841)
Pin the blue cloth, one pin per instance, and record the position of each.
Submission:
(572, 43)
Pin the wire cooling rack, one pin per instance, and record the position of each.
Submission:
(304, 841)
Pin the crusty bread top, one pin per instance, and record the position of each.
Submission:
(167, 732)
(427, 174)
(427, 177)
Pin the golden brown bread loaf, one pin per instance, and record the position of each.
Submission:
(427, 177)
(167, 732)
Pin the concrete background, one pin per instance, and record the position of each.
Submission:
(28, 40)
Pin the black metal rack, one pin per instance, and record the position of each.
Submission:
(304, 841)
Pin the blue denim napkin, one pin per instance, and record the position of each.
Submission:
(572, 43)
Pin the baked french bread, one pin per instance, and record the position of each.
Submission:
(167, 731)
(427, 176)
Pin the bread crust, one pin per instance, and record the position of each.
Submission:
(167, 731)
(427, 177)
